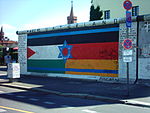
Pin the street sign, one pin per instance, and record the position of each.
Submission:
(127, 5)
(128, 19)
(127, 59)
(127, 52)
(127, 44)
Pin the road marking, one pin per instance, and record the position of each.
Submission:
(1, 91)
(89, 111)
(49, 103)
(75, 82)
(2, 110)
(14, 109)
(33, 99)
(20, 96)
(66, 106)
(9, 94)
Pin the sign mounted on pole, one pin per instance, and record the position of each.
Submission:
(127, 59)
(127, 44)
(128, 19)
(127, 5)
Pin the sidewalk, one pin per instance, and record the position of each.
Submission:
(112, 92)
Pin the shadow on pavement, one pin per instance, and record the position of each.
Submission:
(50, 101)
(66, 85)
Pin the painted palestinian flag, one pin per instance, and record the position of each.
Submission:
(83, 51)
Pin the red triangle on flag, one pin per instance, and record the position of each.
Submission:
(30, 52)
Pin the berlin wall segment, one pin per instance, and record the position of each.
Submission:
(89, 50)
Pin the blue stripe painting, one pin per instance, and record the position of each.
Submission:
(75, 70)
(75, 33)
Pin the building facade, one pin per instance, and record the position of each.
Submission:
(5, 42)
(114, 8)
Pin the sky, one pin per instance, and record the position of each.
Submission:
(17, 15)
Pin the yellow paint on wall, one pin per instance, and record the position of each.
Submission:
(92, 64)
(94, 74)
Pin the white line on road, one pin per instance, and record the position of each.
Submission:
(9, 94)
(20, 96)
(1, 91)
(2, 110)
(89, 111)
(66, 106)
(49, 103)
(33, 99)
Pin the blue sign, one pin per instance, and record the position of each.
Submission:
(128, 19)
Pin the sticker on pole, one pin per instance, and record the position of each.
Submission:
(127, 44)
(127, 4)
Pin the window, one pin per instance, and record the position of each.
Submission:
(135, 10)
(107, 14)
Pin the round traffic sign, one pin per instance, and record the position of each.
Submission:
(127, 4)
(127, 44)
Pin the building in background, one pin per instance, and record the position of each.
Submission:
(1, 34)
(114, 8)
(5, 42)
(71, 19)
(6, 46)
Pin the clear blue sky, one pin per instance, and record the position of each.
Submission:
(28, 14)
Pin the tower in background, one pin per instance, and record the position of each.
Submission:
(1, 34)
(71, 19)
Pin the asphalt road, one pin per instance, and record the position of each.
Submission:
(18, 101)
(23, 101)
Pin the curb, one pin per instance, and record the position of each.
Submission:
(137, 103)
(80, 95)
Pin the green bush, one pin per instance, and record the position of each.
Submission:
(1, 50)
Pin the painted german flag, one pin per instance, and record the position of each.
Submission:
(84, 51)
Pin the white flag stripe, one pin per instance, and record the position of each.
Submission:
(45, 52)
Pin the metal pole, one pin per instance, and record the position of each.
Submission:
(127, 79)
(137, 52)
(127, 67)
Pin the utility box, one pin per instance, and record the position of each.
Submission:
(13, 70)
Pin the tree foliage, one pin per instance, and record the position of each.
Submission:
(95, 14)
(1, 50)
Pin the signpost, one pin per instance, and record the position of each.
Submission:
(127, 43)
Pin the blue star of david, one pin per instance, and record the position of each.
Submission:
(61, 48)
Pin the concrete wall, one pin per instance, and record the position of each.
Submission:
(139, 34)
(144, 50)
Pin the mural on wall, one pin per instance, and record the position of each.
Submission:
(81, 51)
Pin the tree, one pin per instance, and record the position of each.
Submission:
(95, 14)
(1, 54)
